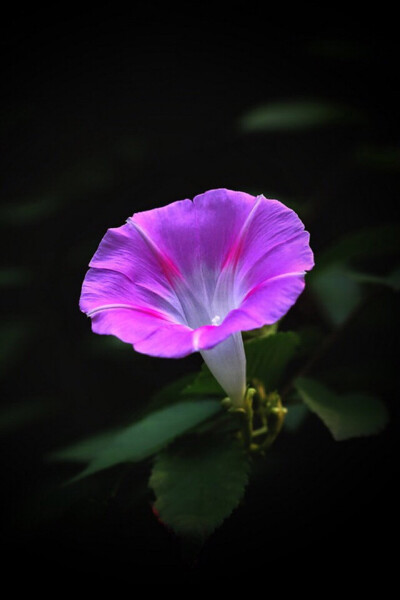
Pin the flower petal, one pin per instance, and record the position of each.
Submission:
(274, 243)
(220, 215)
(104, 289)
(270, 301)
(149, 334)
(123, 250)
(196, 237)
(203, 230)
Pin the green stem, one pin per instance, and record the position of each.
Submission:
(261, 431)
(245, 414)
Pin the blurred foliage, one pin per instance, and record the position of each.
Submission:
(296, 417)
(346, 415)
(14, 338)
(340, 289)
(296, 116)
(339, 281)
(268, 358)
(11, 277)
(31, 210)
(342, 49)
(371, 242)
(383, 158)
(338, 293)
(16, 416)
(140, 440)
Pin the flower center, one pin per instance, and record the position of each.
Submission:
(216, 320)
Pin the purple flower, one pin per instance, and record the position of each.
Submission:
(192, 275)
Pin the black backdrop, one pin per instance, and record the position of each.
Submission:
(105, 115)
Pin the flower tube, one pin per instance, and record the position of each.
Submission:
(190, 276)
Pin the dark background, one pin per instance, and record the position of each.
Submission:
(106, 114)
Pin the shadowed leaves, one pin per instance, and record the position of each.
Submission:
(198, 482)
(139, 440)
(295, 116)
(346, 415)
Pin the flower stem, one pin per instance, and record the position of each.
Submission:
(268, 410)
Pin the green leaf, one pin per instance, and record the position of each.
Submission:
(337, 285)
(294, 115)
(337, 292)
(347, 415)
(370, 242)
(392, 280)
(339, 289)
(141, 439)
(204, 384)
(198, 482)
(30, 210)
(87, 449)
(268, 357)
(168, 395)
(172, 391)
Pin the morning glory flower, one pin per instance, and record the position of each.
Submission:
(190, 276)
